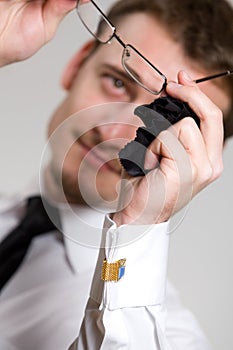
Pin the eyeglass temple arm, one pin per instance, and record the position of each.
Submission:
(228, 72)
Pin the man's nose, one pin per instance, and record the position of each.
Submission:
(119, 130)
(120, 123)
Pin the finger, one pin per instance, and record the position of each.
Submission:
(211, 124)
(53, 12)
(151, 159)
(191, 139)
(175, 171)
(183, 158)
(168, 150)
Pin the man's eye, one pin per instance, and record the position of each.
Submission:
(115, 86)
(118, 83)
(115, 83)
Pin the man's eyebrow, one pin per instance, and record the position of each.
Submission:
(120, 72)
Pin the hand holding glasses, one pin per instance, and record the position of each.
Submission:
(161, 113)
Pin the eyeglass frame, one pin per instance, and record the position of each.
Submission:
(125, 46)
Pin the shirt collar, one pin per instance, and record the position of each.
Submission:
(81, 225)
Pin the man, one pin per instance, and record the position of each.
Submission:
(85, 141)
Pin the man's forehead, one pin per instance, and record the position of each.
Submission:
(128, 26)
(147, 35)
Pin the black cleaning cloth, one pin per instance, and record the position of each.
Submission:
(157, 116)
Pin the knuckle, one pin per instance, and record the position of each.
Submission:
(188, 123)
(210, 173)
(206, 175)
(217, 114)
(217, 171)
(164, 134)
(186, 126)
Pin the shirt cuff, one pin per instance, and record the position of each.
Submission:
(145, 248)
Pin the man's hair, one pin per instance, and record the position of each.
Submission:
(204, 28)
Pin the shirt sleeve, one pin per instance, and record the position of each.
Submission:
(129, 313)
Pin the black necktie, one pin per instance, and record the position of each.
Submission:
(40, 217)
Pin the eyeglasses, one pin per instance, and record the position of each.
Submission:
(139, 68)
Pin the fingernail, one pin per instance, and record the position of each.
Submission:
(151, 160)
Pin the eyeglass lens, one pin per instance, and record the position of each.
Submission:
(95, 22)
(134, 64)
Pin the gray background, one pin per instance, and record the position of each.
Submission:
(201, 260)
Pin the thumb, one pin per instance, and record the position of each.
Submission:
(53, 12)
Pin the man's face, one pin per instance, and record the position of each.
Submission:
(101, 81)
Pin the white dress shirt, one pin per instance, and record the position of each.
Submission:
(45, 305)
